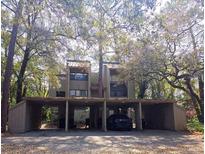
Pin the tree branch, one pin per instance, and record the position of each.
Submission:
(7, 7)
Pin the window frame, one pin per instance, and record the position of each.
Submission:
(116, 89)
(79, 91)
(79, 76)
(60, 93)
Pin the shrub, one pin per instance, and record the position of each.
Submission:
(193, 125)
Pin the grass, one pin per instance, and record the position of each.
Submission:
(193, 125)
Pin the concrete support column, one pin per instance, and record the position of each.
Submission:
(89, 82)
(67, 91)
(104, 119)
(138, 116)
(106, 79)
(129, 112)
(66, 116)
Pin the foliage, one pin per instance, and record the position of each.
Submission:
(49, 114)
(193, 125)
(160, 48)
(169, 49)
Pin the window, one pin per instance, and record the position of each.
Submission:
(79, 93)
(118, 90)
(72, 92)
(60, 93)
(83, 93)
(79, 76)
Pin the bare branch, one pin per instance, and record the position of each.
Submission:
(7, 7)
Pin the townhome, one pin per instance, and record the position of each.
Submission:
(78, 90)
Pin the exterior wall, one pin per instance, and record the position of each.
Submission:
(179, 117)
(17, 118)
(159, 116)
(66, 84)
(131, 89)
(26, 116)
(106, 80)
(165, 116)
(33, 116)
(80, 85)
(169, 117)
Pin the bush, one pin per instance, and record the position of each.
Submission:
(193, 125)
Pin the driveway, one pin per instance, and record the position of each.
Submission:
(97, 142)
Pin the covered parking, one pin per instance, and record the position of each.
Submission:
(148, 114)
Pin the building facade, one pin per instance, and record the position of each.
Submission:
(78, 90)
(79, 81)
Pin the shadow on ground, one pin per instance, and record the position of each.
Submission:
(147, 141)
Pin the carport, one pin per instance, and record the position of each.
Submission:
(150, 114)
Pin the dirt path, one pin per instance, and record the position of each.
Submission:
(81, 142)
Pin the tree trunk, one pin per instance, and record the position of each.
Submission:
(9, 68)
(142, 88)
(21, 75)
(201, 94)
(27, 51)
(198, 103)
(24, 90)
(100, 83)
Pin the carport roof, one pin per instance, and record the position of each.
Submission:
(95, 100)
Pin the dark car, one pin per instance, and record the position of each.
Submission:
(119, 122)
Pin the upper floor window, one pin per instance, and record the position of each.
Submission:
(60, 93)
(118, 90)
(79, 76)
(79, 93)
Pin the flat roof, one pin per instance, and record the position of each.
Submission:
(97, 100)
(86, 101)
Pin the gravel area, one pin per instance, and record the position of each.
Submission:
(98, 142)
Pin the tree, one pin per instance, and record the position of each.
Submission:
(185, 56)
(9, 67)
(173, 49)
(35, 38)
(43, 41)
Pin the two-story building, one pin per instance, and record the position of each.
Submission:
(78, 90)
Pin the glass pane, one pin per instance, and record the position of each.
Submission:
(78, 76)
(77, 92)
(72, 76)
(60, 93)
(83, 93)
(118, 90)
(72, 92)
